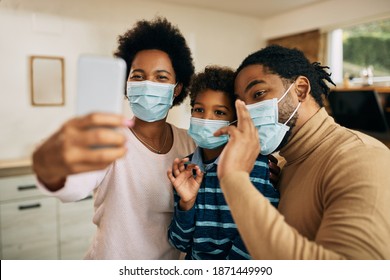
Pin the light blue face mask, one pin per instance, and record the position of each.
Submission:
(202, 131)
(150, 101)
(265, 117)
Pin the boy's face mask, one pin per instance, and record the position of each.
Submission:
(150, 101)
(202, 130)
(265, 116)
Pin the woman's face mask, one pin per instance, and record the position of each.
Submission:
(265, 116)
(150, 101)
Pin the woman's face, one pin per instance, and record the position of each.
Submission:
(152, 65)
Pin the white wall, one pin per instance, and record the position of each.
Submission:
(68, 28)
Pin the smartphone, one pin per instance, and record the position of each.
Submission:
(101, 83)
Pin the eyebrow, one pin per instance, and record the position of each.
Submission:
(223, 106)
(158, 71)
(137, 70)
(253, 83)
(164, 71)
(218, 106)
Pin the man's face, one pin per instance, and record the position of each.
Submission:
(253, 84)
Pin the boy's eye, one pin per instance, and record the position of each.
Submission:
(198, 110)
(220, 113)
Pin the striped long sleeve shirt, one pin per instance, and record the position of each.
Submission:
(207, 231)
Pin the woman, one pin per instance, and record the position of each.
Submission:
(133, 198)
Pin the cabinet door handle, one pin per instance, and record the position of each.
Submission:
(26, 187)
(25, 207)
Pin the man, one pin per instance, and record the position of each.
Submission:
(335, 185)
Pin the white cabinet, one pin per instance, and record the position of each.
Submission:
(76, 228)
(29, 230)
(34, 226)
(28, 220)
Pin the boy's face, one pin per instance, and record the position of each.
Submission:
(213, 105)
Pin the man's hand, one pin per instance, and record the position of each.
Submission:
(71, 149)
(243, 147)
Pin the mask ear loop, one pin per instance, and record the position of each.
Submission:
(174, 96)
(286, 92)
(292, 115)
(296, 109)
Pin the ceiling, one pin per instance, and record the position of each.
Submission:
(254, 8)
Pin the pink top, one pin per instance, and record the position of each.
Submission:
(133, 201)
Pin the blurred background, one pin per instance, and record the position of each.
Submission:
(346, 35)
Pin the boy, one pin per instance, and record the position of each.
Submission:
(202, 225)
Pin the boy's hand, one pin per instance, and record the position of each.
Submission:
(185, 183)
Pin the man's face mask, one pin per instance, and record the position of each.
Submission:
(265, 116)
(150, 101)
(202, 131)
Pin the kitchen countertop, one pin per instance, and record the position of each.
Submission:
(15, 167)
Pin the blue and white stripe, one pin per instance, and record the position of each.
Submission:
(207, 231)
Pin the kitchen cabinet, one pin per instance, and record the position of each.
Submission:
(76, 228)
(34, 226)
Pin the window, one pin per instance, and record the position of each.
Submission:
(359, 50)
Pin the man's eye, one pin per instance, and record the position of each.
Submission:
(258, 94)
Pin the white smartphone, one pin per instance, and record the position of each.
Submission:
(101, 83)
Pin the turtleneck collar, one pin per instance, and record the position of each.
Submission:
(308, 137)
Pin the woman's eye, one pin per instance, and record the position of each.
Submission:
(162, 78)
(136, 77)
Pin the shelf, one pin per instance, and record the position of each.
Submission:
(378, 89)
(15, 167)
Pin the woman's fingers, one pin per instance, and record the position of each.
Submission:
(100, 119)
(103, 156)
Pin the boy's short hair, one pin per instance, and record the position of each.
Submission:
(216, 78)
(159, 34)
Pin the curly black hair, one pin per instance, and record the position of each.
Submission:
(289, 64)
(159, 34)
(216, 78)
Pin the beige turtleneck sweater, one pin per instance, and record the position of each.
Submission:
(335, 198)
